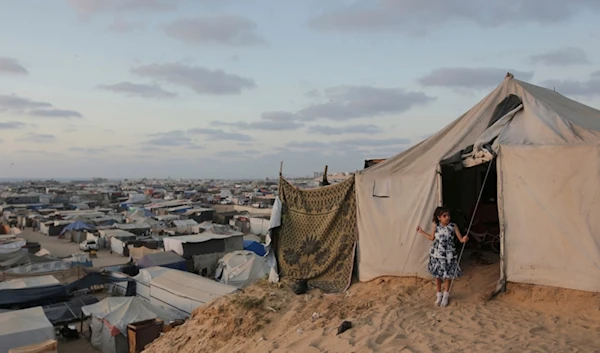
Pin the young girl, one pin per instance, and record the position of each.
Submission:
(443, 262)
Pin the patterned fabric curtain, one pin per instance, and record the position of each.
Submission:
(318, 234)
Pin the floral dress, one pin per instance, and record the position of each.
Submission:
(443, 262)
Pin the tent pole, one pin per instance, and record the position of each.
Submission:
(472, 217)
(439, 185)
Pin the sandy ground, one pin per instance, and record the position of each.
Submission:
(63, 247)
(394, 315)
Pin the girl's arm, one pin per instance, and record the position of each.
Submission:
(460, 236)
(425, 234)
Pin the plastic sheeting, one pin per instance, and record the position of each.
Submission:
(274, 222)
(118, 312)
(182, 292)
(241, 268)
(167, 259)
(24, 327)
(255, 247)
(550, 231)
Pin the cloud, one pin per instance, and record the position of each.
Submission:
(12, 125)
(88, 8)
(584, 88)
(11, 66)
(139, 89)
(415, 17)
(261, 125)
(199, 79)
(469, 77)
(237, 154)
(352, 102)
(41, 138)
(348, 129)
(595, 74)
(122, 26)
(85, 150)
(347, 144)
(230, 30)
(562, 57)
(270, 121)
(13, 103)
(218, 134)
(55, 113)
(38, 152)
(175, 138)
(278, 115)
(16, 104)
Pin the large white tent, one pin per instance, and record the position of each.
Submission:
(24, 327)
(547, 151)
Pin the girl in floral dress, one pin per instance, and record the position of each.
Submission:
(443, 261)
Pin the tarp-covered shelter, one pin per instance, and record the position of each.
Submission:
(111, 316)
(242, 268)
(167, 259)
(31, 291)
(77, 225)
(181, 292)
(255, 247)
(546, 148)
(24, 327)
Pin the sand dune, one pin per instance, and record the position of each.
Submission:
(394, 315)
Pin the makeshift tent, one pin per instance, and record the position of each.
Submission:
(31, 291)
(77, 225)
(24, 327)
(255, 247)
(547, 152)
(167, 259)
(111, 316)
(242, 268)
(182, 292)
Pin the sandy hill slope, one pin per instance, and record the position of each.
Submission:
(393, 315)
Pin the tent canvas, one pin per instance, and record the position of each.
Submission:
(111, 316)
(167, 259)
(242, 268)
(24, 327)
(549, 216)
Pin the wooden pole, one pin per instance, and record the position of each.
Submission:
(280, 168)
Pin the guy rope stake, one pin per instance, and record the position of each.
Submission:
(472, 219)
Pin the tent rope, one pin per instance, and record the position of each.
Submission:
(472, 219)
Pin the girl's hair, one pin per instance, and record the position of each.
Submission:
(438, 212)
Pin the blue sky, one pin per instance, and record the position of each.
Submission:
(210, 89)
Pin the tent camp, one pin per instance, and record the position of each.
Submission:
(544, 150)
(24, 327)
(167, 259)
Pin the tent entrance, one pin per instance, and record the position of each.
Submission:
(460, 190)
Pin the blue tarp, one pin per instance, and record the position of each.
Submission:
(167, 259)
(77, 225)
(255, 247)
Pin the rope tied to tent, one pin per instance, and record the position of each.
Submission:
(472, 219)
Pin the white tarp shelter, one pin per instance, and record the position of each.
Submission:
(177, 292)
(181, 292)
(242, 268)
(548, 169)
(111, 316)
(24, 327)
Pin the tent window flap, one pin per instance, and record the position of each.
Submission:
(382, 188)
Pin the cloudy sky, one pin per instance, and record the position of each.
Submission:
(228, 88)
